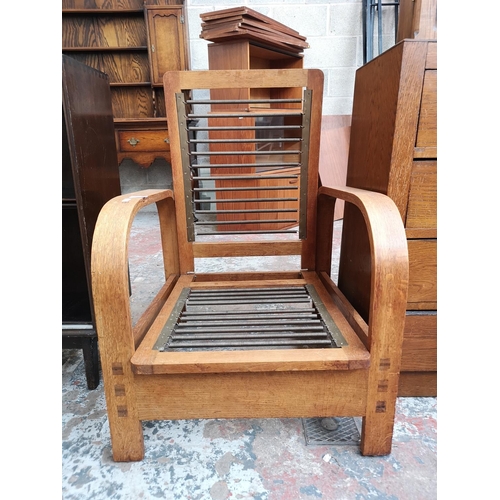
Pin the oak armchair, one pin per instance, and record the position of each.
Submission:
(245, 151)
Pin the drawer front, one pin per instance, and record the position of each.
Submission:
(422, 201)
(420, 342)
(422, 289)
(427, 123)
(143, 140)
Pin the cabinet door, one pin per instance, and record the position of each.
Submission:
(166, 37)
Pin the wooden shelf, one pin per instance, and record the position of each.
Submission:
(130, 84)
(102, 11)
(134, 46)
(104, 49)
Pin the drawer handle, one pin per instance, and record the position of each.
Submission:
(133, 141)
(166, 140)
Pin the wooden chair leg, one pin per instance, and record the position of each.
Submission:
(378, 424)
(91, 360)
(127, 438)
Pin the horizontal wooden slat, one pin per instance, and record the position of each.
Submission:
(419, 232)
(423, 271)
(268, 278)
(417, 384)
(420, 343)
(261, 395)
(424, 153)
(422, 202)
(247, 249)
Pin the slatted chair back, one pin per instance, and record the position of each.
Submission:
(244, 152)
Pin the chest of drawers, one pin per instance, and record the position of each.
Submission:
(393, 150)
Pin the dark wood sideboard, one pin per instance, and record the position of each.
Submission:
(89, 179)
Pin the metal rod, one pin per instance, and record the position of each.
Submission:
(244, 114)
(242, 101)
(233, 141)
(202, 291)
(243, 165)
(264, 321)
(247, 301)
(244, 221)
(379, 30)
(248, 211)
(242, 177)
(242, 316)
(244, 200)
(246, 127)
(250, 292)
(247, 328)
(207, 320)
(243, 343)
(268, 231)
(237, 153)
(249, 188)
(257, 335)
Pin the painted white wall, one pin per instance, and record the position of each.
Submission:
(333, 29)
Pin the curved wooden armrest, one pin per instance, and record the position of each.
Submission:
(109, 260)
(389, 258)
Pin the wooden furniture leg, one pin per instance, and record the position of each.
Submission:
(117, 338)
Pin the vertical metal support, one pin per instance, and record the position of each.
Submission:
(186, 166)
(368, 15)
(380, 27)
(304, 162)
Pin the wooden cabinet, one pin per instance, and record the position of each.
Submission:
(245, 54)
(89, 179)
(393, 150)
(134, 42)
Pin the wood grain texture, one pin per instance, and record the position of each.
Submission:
(334, 153)
(418, 384)
(134, 42)
(165, 33)
(110, 287)
(393, 151)
(427, 125)
(252, 383)
(422, 201)
(242, 80)
(228, 249)
(417, 20)
(420, 342)
(423, 271)
(259, 395)
(388, 296)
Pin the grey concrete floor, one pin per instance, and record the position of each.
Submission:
(261, 459)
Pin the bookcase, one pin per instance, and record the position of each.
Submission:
(134, 42)
(248, 54)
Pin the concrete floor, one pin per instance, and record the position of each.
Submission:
(260, 459)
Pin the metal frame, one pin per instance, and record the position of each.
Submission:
(190, 152)
(370, 8)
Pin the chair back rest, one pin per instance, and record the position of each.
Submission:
(245, 153)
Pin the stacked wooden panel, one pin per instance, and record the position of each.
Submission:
(244, 23)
